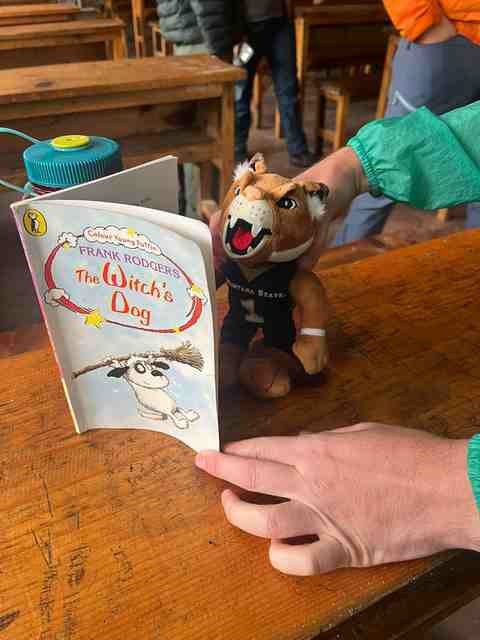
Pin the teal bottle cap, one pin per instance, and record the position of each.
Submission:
(70, 160)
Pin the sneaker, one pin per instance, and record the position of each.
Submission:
(303, 160)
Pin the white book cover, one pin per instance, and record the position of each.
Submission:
(127, 294)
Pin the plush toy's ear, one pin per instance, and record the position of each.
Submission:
(317, 196)
(241, 169)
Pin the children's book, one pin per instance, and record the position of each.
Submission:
(127, 290)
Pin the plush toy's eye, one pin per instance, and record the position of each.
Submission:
(140, 368)
(287, 203)
(237, 191)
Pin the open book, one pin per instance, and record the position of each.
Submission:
(127, 294)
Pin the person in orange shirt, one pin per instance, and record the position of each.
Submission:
(437, 65)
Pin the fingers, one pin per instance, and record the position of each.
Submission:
(285, 520)
(260, 476)
(361, 426)
(327, 554)
(213, 218)
(284, 449)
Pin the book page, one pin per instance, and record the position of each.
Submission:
(153, 184)
(127, 304)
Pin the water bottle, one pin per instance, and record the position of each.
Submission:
(65, 161)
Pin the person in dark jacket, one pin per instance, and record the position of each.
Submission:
(268, 30)
(196, 26)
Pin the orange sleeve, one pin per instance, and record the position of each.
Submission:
(413, 17)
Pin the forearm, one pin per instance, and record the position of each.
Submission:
(427, 161)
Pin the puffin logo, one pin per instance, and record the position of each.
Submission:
(34, 223)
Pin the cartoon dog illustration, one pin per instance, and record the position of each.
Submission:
(148, 382)
(145, 373)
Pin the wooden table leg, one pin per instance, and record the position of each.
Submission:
(119, 47)
(227, 136)
(138, 19)
(302, 37)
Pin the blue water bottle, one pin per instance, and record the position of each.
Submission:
(65, 161)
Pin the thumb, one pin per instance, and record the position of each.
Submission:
(322, 556)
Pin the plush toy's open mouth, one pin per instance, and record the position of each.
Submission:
(243, 238)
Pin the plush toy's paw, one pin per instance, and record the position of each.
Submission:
(312, 353)
(265, 378)
(230, 357)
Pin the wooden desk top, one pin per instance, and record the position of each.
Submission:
(112, 76)
(51, 29)
(344, 14)
(43, 9)
(115, 534)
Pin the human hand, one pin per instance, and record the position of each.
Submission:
(312, 352)
(371, 493)
(343, 174)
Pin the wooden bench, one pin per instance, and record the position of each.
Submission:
(6, 3)
(36, 13)
(181, 105)
(56, 43)
(341, 92)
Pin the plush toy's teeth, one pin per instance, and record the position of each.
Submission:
(256, 228)
(232, 222)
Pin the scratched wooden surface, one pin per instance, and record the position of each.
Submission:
(115, 534)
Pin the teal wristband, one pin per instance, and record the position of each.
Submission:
(474, 466)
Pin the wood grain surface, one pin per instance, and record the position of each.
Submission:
(115, 534)
(34, 13)
(112, 76)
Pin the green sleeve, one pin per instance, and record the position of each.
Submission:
(474, 466)
(426, 160)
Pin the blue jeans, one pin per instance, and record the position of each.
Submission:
(273, 39)
(442, 77)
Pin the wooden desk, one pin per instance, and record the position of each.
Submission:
(335, 36)
(35, 13)
(54, 42)
(5, 3)
(115, 535)
(181, 105)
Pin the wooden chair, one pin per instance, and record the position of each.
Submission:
(161, 46)
(341, 92)
(134, 12)
(387, 75)
(55, 43)
(263, 78)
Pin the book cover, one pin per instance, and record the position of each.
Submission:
(126, 294)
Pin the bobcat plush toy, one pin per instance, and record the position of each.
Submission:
(267, 223)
